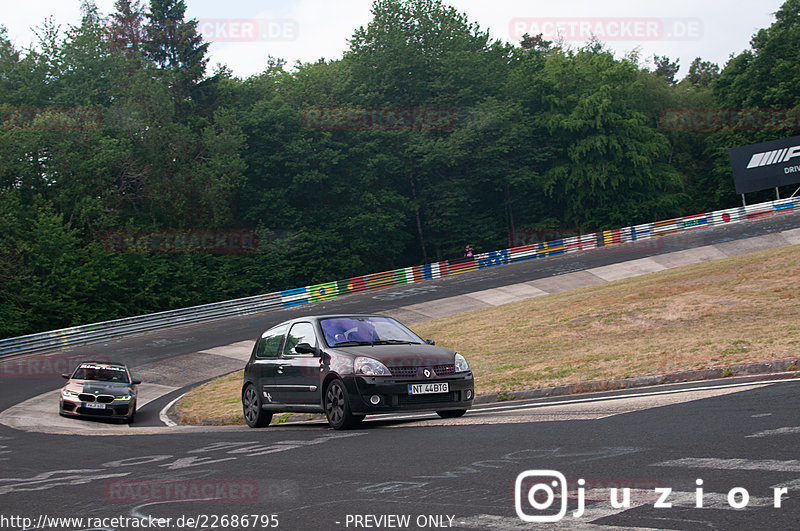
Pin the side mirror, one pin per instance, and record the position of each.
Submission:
(430, 341)
(65, 375)
(305, 348)
(136, 382)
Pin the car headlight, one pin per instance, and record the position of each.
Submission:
(461, 363)
(370, 367)
(123, 397)
(66, 393)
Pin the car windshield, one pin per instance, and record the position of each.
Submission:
(352, 331)
(101, 373)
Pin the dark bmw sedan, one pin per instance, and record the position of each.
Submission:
(99, 389)
(349, 366)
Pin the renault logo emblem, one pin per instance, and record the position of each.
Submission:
(427, 373)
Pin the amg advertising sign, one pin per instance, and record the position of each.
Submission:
(766, 165)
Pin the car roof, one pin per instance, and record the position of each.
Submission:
(334, 316)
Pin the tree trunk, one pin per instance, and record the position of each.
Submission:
(416, 214)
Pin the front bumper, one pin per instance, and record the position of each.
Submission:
(393, 394)
(114, 410)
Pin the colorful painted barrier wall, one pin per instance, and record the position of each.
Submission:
(317, 292)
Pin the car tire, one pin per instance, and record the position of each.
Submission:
(337, 407)
(130, 418)
(451, 413)
(254, 415)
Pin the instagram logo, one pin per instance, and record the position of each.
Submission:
(536, 489)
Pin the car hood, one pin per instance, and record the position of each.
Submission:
(100, 388)
(418, 355)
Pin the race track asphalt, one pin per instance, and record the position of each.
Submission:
(738, 439)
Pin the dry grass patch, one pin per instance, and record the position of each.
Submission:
(704, 315)
(216, 402)
(712, 314)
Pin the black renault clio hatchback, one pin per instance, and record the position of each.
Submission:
(348, 366)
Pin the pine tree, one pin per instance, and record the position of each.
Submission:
(173, 43)
(125, 30)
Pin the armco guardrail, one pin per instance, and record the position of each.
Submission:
(118, 328)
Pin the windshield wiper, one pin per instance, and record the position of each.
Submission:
(377, 342)
(352, 343)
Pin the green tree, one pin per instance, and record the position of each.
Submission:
(10, 69)
(539, 136)
(666, 69)
(767, 74)
(173, 43)
(764, 77)
(125, 30)
(14, 319)
(610, 168)
(702, 73)
(535, 43)
(418, 52)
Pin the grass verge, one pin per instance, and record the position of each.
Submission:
(713, 314)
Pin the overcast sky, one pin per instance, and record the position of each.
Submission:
(244, 32)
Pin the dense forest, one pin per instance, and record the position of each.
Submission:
(424, 136)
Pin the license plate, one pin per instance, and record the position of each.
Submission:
(94, 405)
(428, 388)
